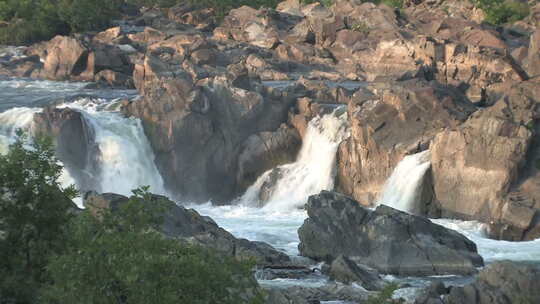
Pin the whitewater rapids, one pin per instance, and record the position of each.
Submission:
(127, 161)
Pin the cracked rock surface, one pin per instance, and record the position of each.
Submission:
(385, 239)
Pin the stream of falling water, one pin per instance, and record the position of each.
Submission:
(127, 162)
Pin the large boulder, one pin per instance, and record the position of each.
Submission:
(386, 239)
(344, 270)
(477, 166)
(199, 128)
(187, 225)
(65, 57)
(265, 151)
(388, 121)
(502, 282)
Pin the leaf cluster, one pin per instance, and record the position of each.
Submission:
(503, 11)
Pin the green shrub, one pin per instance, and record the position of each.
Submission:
(384, 296)
(501, 11)
(34, 211)
(85, 15)
(118, 257)
(361, 27)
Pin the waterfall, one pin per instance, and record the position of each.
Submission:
(404, 187)
(125, 160)
(290, 185)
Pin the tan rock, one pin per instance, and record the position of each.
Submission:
(387, 122)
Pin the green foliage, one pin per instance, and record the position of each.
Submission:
(118, 257)
(85, 15)
(503, 11)
(384, 296)
(33, 213)
(28, 21)
(326, 3)
(361, 27)
(391, 3)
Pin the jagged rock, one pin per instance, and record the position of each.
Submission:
(533, 60)
(344, 270)
(66, 57)
(312, 295)
(499, 283)
(486, 155)
(74, 140)
(386, 239)
(198, 130)
(282, 272)
(263, 28)
(387, 122)
(189, 226)
(265, 151)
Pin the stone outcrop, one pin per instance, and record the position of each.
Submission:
(499, 283)
(344, 270)
(387, 122)
(187, 225)
(200, 124)
(74, 140)
(386, 239)
(489, 160)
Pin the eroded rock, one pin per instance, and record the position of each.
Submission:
(386, 239)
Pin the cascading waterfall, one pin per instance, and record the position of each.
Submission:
(314, 169)
(404, 187)
(125, 160)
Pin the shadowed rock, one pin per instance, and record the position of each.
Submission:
(386, 239)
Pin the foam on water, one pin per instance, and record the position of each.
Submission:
(494, 250)
(314, 169)
(402, 190)
(125, 159)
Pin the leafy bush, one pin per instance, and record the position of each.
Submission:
(85, 15)
(50, 255)
(118, 257)
(385, 295)
(28, 21)
(33, 213)
(501, 11)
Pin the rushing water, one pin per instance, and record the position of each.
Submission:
(127, 161)
(403, 188)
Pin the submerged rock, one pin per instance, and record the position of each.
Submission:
(189, 226)
(386, 239)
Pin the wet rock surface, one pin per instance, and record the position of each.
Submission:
(187, 225)
(501, 283)
(386, 239)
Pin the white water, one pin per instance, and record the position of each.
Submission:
(494, 250)
(125, 159)
(278, 221)
(402, 190)
(313, 171)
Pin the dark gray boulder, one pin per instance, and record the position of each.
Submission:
(502, 282)
(386, 239)
(347, 271)
(187, 225)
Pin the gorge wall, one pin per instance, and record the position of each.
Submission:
(222, 103)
